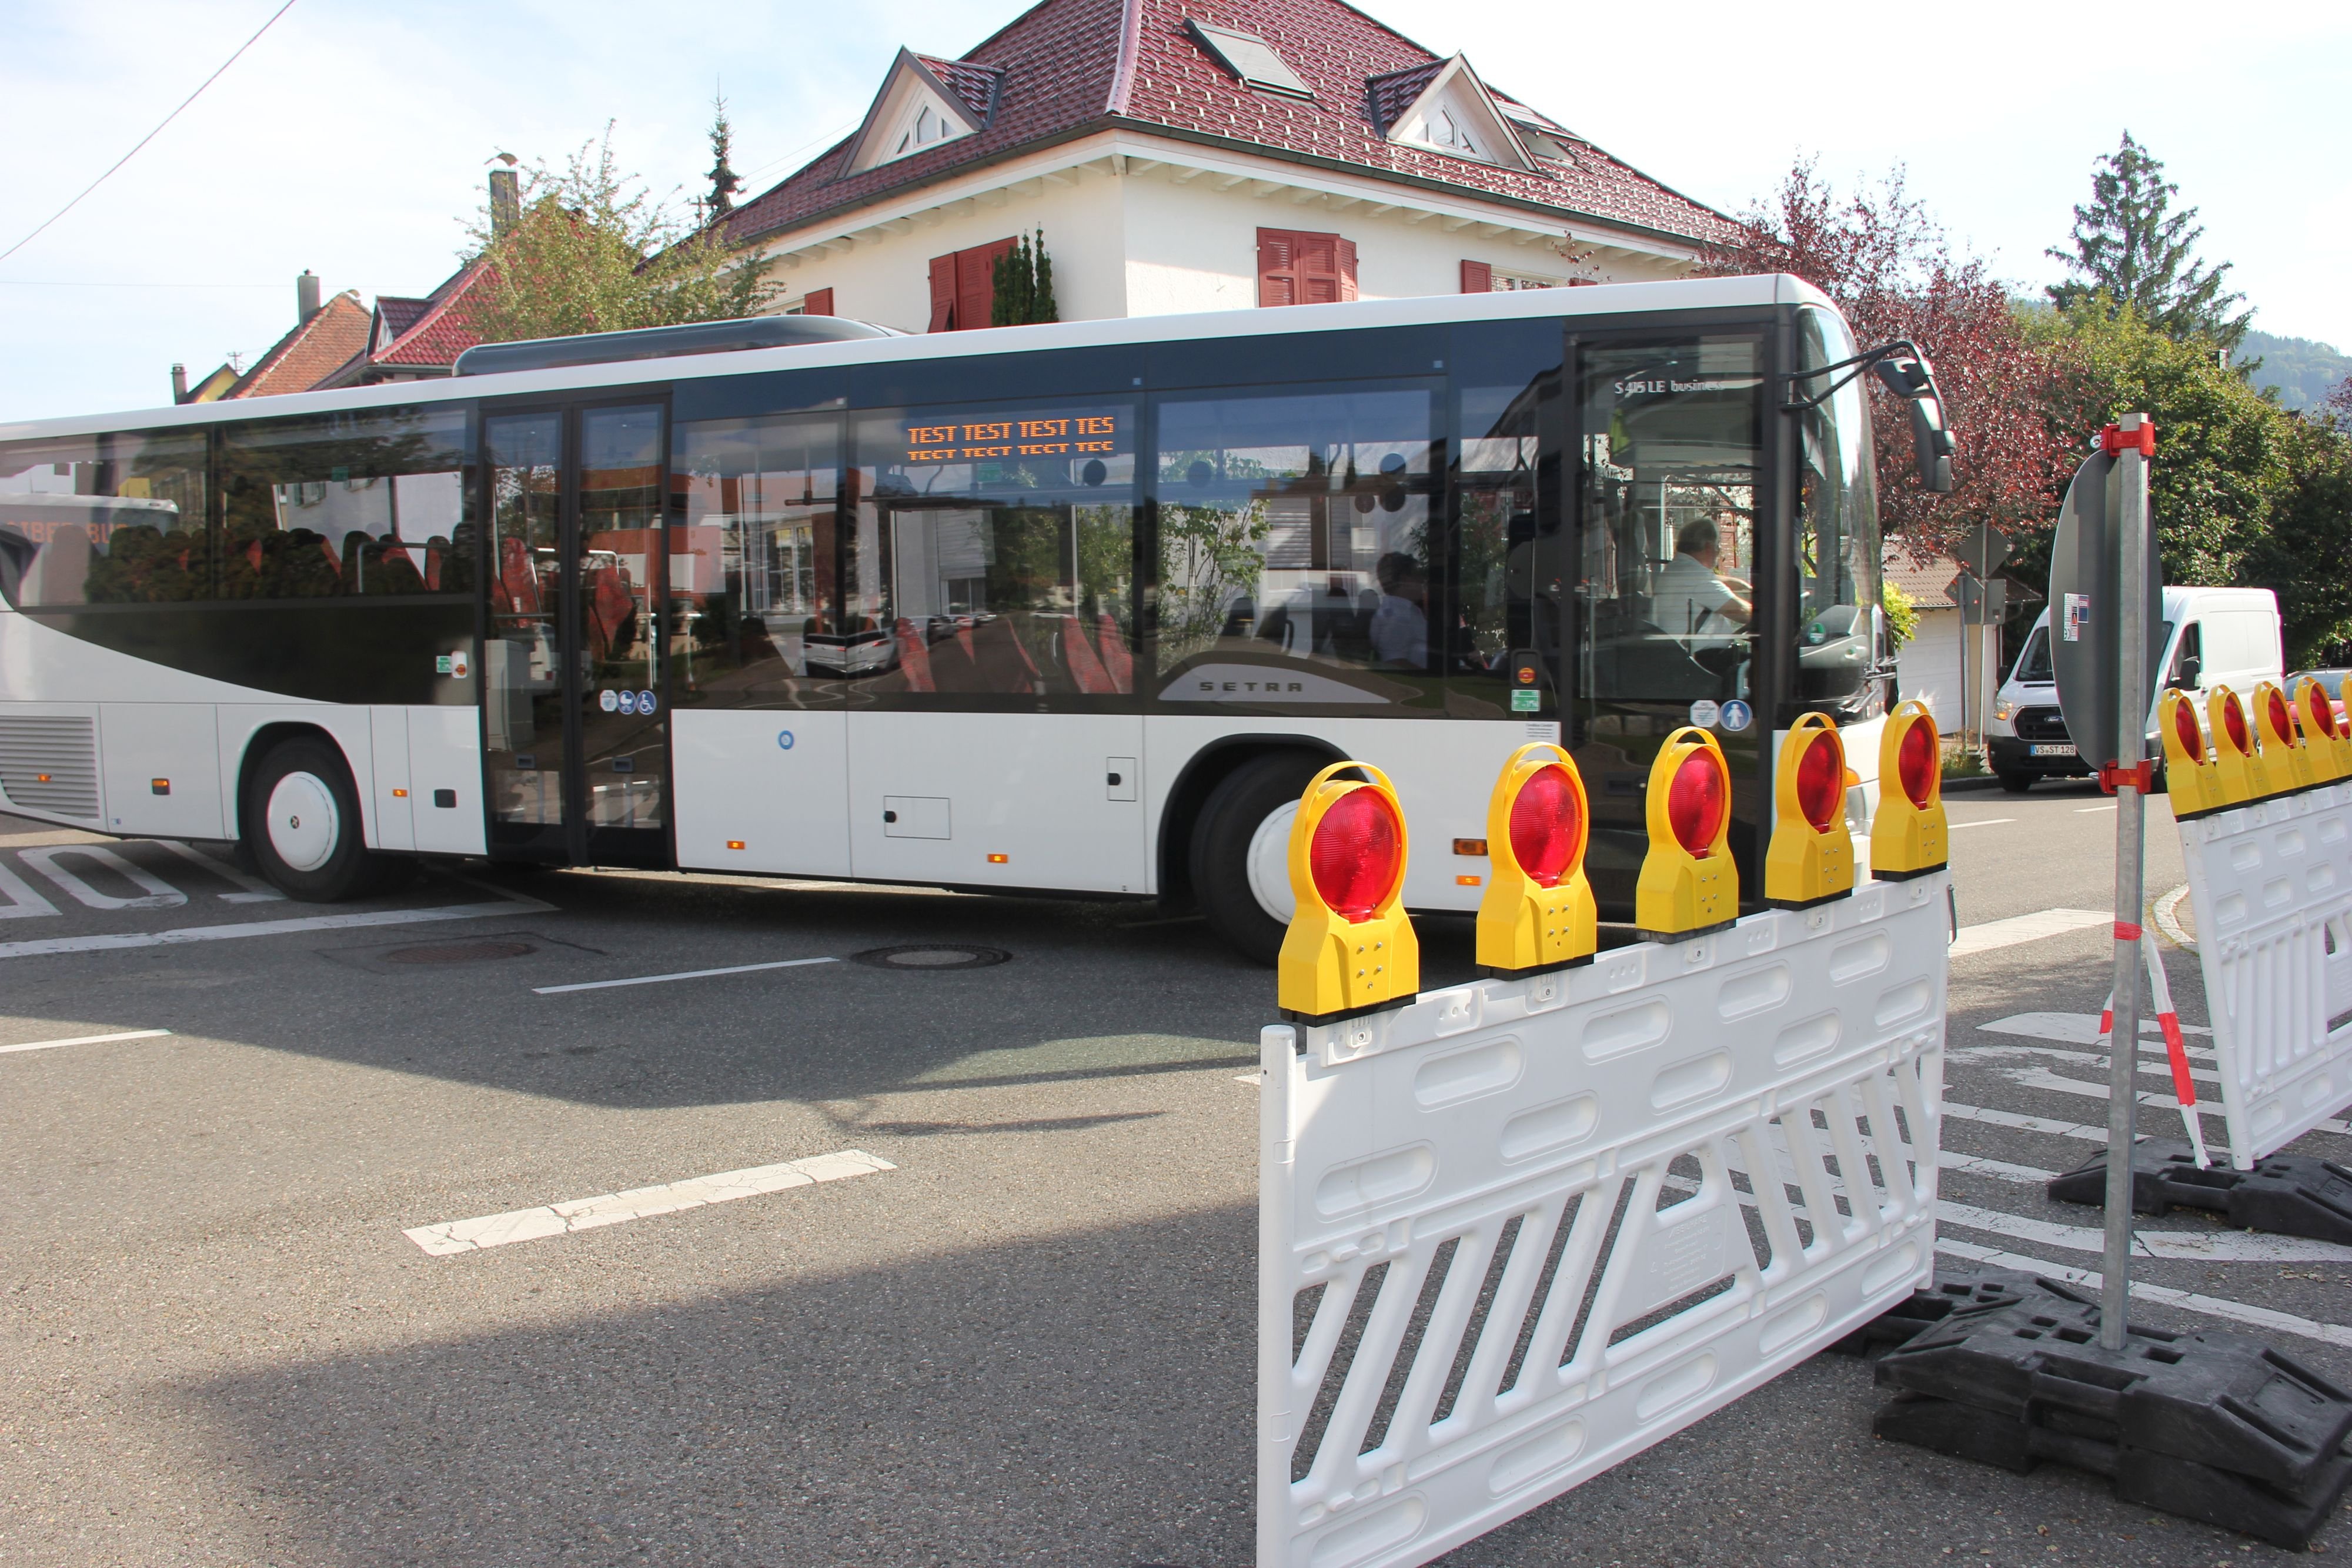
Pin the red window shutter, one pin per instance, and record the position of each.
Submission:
(1346, 268)
(1277, 262)
(818, 303)
(975, 284)
(943, 293)
(1478, 278)
(1318, 268)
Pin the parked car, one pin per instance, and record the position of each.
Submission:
(2212, 637)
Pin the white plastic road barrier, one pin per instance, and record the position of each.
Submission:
(2271, 883)
(1517, 1230)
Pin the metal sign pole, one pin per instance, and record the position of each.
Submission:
(2128, 502)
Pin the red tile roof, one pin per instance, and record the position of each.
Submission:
(1070, 67)
(309, 354)
(400, 313)
(975, 85)
(444, 329)
(1924, 582)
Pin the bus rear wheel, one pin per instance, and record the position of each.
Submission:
(1241, 852)
(302, 823)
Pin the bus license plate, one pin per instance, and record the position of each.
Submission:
(2054, 751)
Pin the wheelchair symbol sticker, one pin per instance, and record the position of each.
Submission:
(644, 702)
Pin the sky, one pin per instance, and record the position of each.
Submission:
(353, 137)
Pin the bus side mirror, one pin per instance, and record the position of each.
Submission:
(1911, 379)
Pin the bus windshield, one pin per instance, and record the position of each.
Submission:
(1839, 622)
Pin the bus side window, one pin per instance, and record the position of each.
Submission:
(1504, 577)
(113, 519)
(753, 509)
(368, 503)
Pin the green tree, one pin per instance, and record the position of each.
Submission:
(1901, 615)
(2307, 557)
(724, 180)
(1023, 285)
(2132, 247)
(593, 250)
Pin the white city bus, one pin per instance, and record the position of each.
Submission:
(1072, 608)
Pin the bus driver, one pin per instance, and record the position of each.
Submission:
(1693, 599)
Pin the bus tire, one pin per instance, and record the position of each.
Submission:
(302, 822)
(1239, 851)
(2014, 782)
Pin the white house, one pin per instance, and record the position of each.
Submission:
(1944, 658)
(1203, 154)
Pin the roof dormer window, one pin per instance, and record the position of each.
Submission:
(1445, 108)
(1250, 58)
(930, 126)
(923, 104)
(1445, 131)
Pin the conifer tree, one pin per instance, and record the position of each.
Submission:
(2133, 249)
(724, 181)
(1022, 279)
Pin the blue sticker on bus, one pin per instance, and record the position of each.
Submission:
(784, 739)
(1735, 715)
(627, 702)
(644, 702)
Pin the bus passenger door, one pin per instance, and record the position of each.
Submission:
(575, 743)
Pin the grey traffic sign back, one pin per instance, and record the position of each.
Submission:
(2085, 597)
(1981, 602)
(1982, 548)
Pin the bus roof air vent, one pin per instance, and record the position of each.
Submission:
(664, 342)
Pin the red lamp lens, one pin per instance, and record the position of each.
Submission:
(1915, 763)
(2323, 713)
(2233, 719)
(2282, 722)
(2185, 727)
(1357, 850)
(1820, 781)
(1694, 803)
(1547, 827)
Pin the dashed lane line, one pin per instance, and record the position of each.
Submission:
(2022, 928)
(681, 975)
(85, 1039)
(1981, 823)
(2190, 1301)
(458, 1236)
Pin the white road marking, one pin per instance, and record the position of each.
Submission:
(85, 1039)
(681, 975)
(2211, 1306)
(2042, 1077)
(2087, 811)
(2167, 919)
(2077, 1029)
(1955, 1111)
(1981, 822)
(2020, 928)
(613, 1207)
(235, 932)
(255, 891)
(2151, 1064)
(159, 895)
(24, 903)
(2222, 1247)
(1976, 1164)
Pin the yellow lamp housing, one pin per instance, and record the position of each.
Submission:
(2240, 768)
(1538, 911)
(1688, 883)
(1350, 947)
(2314, 715)
(1811, 857)
(2285, 761)
(1907, 836)
(2194, 782)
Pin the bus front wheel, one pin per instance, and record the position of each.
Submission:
(302, 823)
(1241, 852)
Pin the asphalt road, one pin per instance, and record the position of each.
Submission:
(1029, 1339)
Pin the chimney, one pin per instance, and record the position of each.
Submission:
(179, 383)
(306, 296)
(506, 201)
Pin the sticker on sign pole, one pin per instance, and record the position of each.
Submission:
(2078, 616)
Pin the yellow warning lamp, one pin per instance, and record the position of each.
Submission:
(2240, 768)
(1688, 883)
(1811, 857)
(2193, 783)
(2323, 737)
(1350, 947)
(1538, 911)
(1908, 835)
(2285, 761)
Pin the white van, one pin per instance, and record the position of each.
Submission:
(2212, 637)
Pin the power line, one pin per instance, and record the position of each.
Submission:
(74, 283)
(151, 136)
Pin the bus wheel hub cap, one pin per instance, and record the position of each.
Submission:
(1269, 862)
(302, 821)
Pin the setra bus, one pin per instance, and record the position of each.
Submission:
(1074, 607)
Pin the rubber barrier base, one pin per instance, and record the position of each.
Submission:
(2213, 1427)
(1960, 1288)
(2286, 1194)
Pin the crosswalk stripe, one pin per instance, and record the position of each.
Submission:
(2190, 1301)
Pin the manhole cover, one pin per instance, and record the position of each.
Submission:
(459, 953)
(932, 956)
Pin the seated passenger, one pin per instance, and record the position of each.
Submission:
(1399, 629)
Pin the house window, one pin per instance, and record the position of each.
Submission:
(1445, 131)
(930, 126)
(1296, 267)
(964, 287)
(1251, 59)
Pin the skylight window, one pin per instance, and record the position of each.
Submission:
(1251, 58)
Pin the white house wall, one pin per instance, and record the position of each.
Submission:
(1164, 238)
